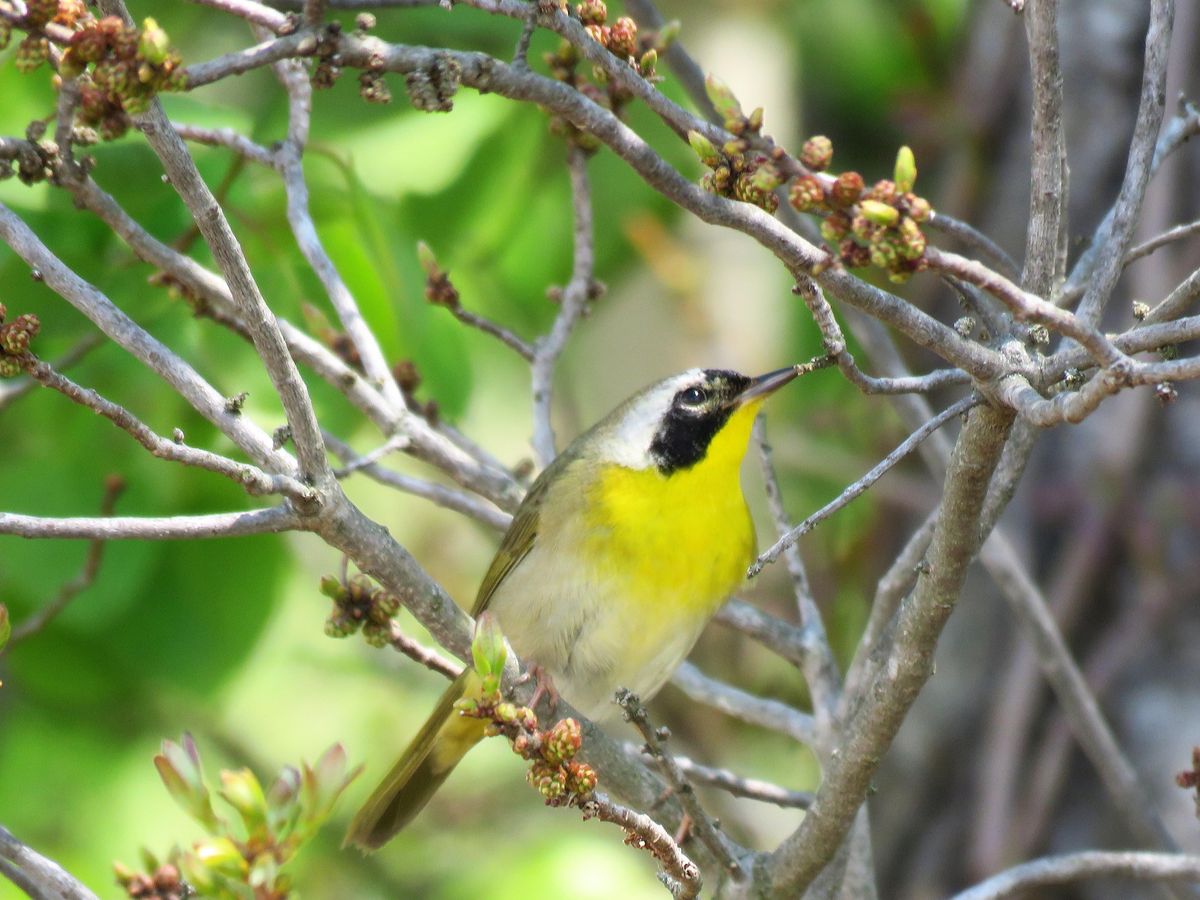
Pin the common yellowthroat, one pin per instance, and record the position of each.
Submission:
(622, 550)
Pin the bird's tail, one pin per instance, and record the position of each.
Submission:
(443, 740)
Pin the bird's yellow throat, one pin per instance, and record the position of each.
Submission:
(650, 524)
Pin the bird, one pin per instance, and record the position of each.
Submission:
(622, 550)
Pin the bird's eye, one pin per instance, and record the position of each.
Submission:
(693, 396)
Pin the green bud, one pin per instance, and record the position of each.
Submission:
(332, 587)
(704, 149)
(214, 857)
(648, 62)
(242, 791)
(906, 169)
(755, 119)
(879, 213)
(5, 626)
(722, 98)
(488, 651)
(282, 801)
(153, 43)
(179, 767)
(668, 34)
(427, 260)
(766, 178)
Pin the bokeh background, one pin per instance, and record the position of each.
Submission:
(224, 638)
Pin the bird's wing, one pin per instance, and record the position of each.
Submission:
(519, 538)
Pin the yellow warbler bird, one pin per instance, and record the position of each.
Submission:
(622, 550)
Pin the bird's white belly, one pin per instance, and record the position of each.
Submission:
(584, 626)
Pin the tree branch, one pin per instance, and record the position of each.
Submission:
(1051, 870)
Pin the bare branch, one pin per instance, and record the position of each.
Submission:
(478, 509)
(1051, 870)
(766, 713)
(151, 352)
(82, 581)
(168, 528)
(255, 13)
(1060, 669)
(1026, 306)
(35, 874)
(725, 851)
(820, 668)
(739, 786)
(260, 321)
(1045, 244)
(872, 726)
(255, 481)
(573, 300)
(418, 652)
(858, 487)
(1120, 228)
(288, 160)
(979, 242)
(835, 345)
(682, 875)
(1178, 233)
(776, 635)
(227, 138)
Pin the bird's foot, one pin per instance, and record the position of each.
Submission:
(545, 687)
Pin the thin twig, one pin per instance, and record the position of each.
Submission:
(477, 508)
(16, 388)
(1026, 306)
(37, 875)
(260, 321)
(1119, 235)
(82, 581)
(167, 528)
(1178, 233)
(1045, 242)
(835, 345)
(682, 876)
(906, 447)
(766, 713)
(820, 668)
(977, 241)
(1072, 867)
(872, 726)
(506, 336)
(122, 330)
(418, 652)
(574, 298)
(255, 13)
(228, 138)
(700, 823)
(253, 479)
(737, 785)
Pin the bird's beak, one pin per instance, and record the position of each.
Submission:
(765, 384)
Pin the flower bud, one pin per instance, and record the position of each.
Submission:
(704, 149)
(488, 651)
(722, 98)
(906, 169)
(817, 153)
(879, 213)
(153, 43)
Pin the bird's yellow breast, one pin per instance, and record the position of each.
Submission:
(681, 541)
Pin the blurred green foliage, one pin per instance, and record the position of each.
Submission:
(223, 638)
